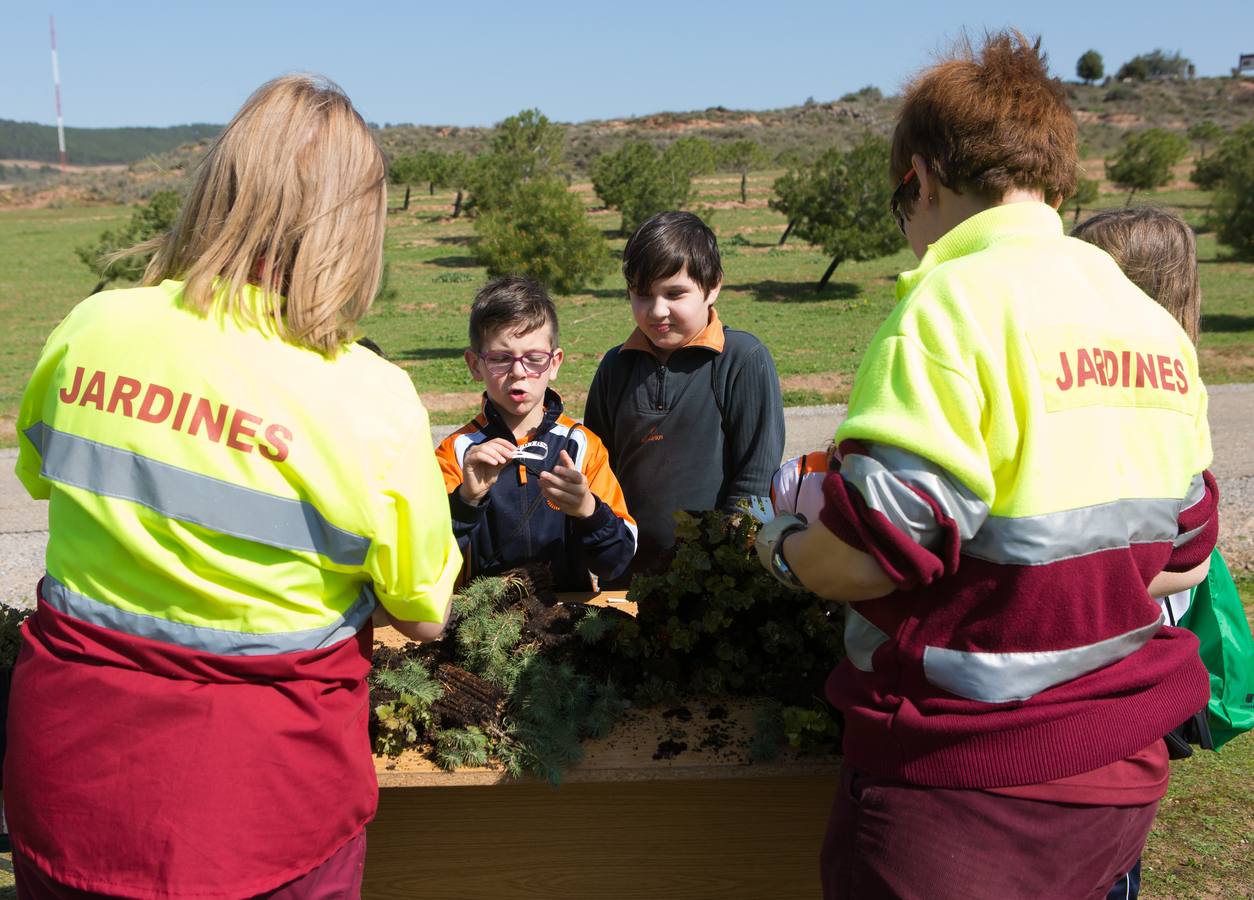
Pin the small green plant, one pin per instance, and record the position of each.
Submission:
(152, 219)
(716, 623)
(515, 693)
(405, 720)
(457, 747)
(11, 619)
(453, 278)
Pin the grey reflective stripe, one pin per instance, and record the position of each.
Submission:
(1183, 539)
(1068, 533)
(886, 477)
(200, 637)
(1003, 677)
(1195, 494)
(191, 497)
(862, 639)
(35, 434)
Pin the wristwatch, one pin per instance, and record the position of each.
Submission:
(779, 566)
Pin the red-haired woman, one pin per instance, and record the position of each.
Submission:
(1024, 454)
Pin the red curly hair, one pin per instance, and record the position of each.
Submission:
(989, 122)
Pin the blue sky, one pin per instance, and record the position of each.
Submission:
(473, 63)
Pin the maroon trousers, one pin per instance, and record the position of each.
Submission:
(889, 839)
(339, 878)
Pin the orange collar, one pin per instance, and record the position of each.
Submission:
(709, 337)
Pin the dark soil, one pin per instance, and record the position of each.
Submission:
(669, 749)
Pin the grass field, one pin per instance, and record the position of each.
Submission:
(420, 321)
(1201, 844)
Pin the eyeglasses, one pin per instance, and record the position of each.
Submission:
(533, 361)
(899, 195)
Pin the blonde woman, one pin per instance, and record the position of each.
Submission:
(233, 488)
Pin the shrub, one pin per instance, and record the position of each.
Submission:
(1232, 154)
(1145, 159)
(1233, 218)
(154, 218)
(543, 233)
(638, 180)
(1155, 64)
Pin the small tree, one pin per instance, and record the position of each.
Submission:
(1089, 67)
(1155, 64)
(1229, 171)
(639, 181)
(456, 171)
(841, 203)
(1085, 195)
(148, 221)
(743, 156)
(405, 170)
(542, 233)
(524, 148)
(1234, 206)
(1145, 159)
(1211, 171)
(689, 157)
(1204, 134)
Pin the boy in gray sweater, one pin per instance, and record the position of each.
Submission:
(689, 409)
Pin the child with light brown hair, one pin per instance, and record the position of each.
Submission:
(1158, 253)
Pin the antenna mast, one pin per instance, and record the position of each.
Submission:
(56, 84)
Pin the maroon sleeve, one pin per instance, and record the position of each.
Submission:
(1198, 529)
(906, 562)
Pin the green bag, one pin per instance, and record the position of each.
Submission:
(1216, 616)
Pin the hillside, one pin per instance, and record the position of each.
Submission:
(792, 134)
(94, 146)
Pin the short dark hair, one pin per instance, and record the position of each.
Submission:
(987, 121)
(513, 302)
(668, 242)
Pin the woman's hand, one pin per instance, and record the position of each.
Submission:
(567, 488)
(482, 466)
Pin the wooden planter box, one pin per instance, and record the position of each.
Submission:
(637, 818)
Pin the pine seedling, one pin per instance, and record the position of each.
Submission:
(594, 627)
(457, 747)
(486, 641)
(406, 719)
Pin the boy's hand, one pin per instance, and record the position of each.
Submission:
(482, 466)
(567, 488)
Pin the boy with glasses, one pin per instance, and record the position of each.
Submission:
(526, 483)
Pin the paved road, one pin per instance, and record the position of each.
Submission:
(24, 522)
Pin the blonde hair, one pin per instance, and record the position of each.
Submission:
(292, 196)
(1158, 253)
